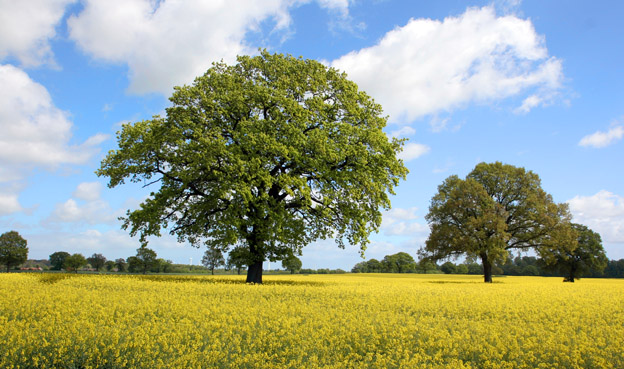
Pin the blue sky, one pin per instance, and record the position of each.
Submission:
(536, 84)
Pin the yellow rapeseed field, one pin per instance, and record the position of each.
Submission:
(320, 321)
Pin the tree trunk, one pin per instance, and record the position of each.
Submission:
(254, 269)
(212, 271)
(8, 268)
(487, 269)
(254, 273)
(571, 276)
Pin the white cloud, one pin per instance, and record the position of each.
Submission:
(90, 212)
(602, 212)
(403, 222)
(91, 209)
(403, 132)
(26, 27)
(112, 244)
(9, 204)
(413, 151)
(507, 6)
(429, 66)
(169, 43)
(529, 103)
(341, 6)
(34, 131)
(88, 191)
(603, 139)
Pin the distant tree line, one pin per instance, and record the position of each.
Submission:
(401, 262)
(587, 260)
(518, 266)
(146, 260)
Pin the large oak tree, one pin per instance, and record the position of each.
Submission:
(272, 153)
(497, 208)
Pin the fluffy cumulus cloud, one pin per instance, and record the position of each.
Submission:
(341, 6)
(430, 66)
(603, 139)
(403, 132)
(34, 131)
(91, 212)
(88, 191)
(403, 222)
(112, 244)
(413, 151)
(169, 43)
(26, 28)
(602, 212)
(9, 203)
(85, 207)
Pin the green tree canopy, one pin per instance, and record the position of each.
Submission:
(426, 266)
(133, 264)
(461, 269)
(238, 257)
(74, 262)
(292, 263)
(162, 266)
(57, 259)
(109, 265)
(497, 208)
(360, 267)
(448, 268)
(273, 153)
(145, 259)
(213, 258)
(400, 262)
(97, 261)
(374, 266)
(13, 249)
(121, 264)
(587, 255)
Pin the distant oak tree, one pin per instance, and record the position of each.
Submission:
(145, 259)
(401, 262)
(586, 256)
(109, 265)
(497, 208)
(121, 264)
(74, 262)
(238, 257)
(97, 261)
(57, 259)
(213, 258)
(13, 249)
(292, 263)
(273, 152)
